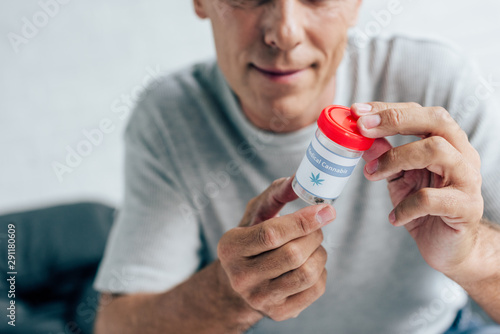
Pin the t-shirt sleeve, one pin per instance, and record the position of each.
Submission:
(476, 108)
(153, 245)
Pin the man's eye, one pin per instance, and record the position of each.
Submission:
(246, 3)
(330, 1)
(256, 3)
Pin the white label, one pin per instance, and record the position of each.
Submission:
(324, 173)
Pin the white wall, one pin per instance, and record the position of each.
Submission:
(91, 54)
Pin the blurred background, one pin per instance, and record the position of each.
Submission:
(69, 69)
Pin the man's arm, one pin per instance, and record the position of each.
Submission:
(269, 265)
(205, 303)
(480, 274)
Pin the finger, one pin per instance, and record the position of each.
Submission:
(361, 109)
(379, 147)
(452, 205)
(286, 258)
(434, 154)
(278, 231)
(275, 197)
(301, 278)
(388, 119)
(270, 202)
(295, 304)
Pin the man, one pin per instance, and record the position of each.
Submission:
(203, 145)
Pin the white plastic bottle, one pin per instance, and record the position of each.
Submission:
(331, 157)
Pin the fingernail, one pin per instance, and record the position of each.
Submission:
(363, 108)
(392, 217)
(370, 121)
(325, 215)
(372, 166)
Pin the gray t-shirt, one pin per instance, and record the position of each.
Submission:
(193, 161)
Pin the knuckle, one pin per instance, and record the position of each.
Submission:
(320, 262)
(293, 255)
(437, 146)
(322, 254)
(320, 286)
(321, 289)
(462, 133)
(302, 223)
(257, 301)
(395, 117)
(442, 116)
(477, 159)
(267, 236)
(240, 281)
(224, 250)
(436, 142)
(476, 179)
(391, 156)
(306, 274)
(221, 250)
(414, 105)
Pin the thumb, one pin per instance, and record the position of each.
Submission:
(269, 203)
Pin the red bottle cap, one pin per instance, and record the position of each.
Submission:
(337, 123)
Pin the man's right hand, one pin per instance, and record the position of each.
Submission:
(277, 264)
(268, 266)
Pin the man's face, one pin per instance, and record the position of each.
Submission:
(280, 56)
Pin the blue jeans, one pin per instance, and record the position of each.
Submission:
(468, 322)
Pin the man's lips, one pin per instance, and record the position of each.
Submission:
(279, 74)
(275, 71)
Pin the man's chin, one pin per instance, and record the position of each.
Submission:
(289, 110)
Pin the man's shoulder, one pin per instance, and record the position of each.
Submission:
(407, 51)
(403, 68)
(181, 85)
(171, 98)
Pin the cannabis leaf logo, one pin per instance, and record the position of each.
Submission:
(316, 180)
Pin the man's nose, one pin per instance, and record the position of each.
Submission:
(282, 28)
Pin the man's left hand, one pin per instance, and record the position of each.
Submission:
(434, 183)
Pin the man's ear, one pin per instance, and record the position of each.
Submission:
(199, 8)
